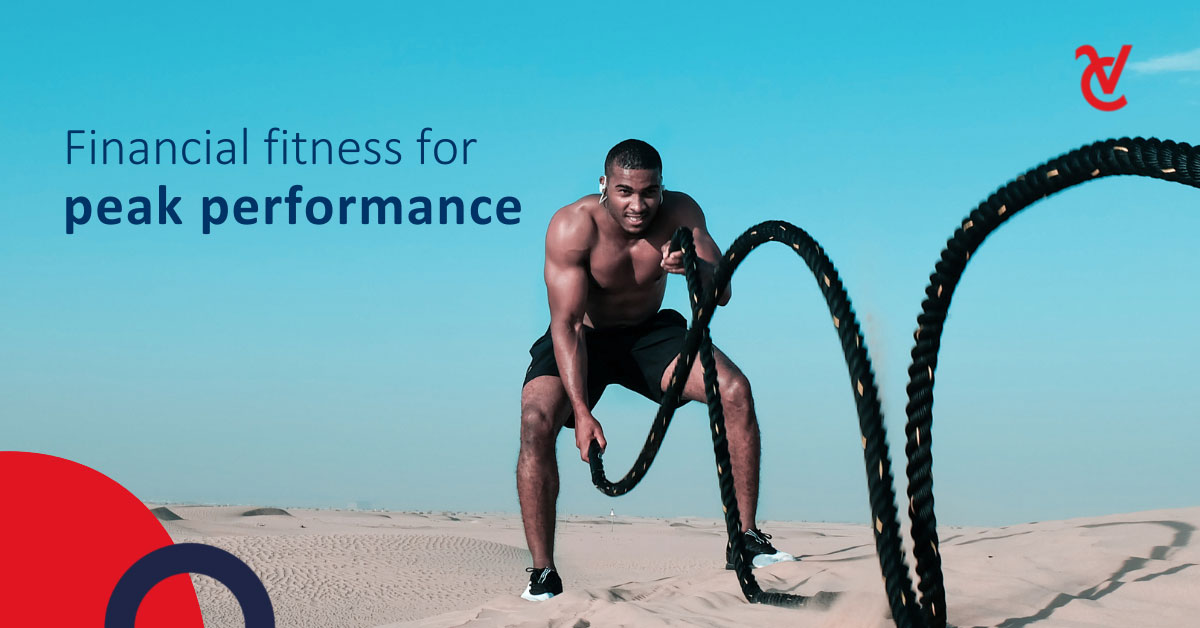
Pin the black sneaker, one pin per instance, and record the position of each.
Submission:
(759, 551)
(543, 584)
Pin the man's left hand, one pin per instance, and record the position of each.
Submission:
(672, 261)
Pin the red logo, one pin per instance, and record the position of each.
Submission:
(1108, 82)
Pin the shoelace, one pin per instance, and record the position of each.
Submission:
(545, 572)
(759, 536)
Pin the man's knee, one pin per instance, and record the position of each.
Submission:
(538, 429)
(735, 390)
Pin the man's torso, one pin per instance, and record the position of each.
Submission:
(626, 282)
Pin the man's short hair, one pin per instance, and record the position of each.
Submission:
(633, 155)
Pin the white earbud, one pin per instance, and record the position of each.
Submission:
(603, 189)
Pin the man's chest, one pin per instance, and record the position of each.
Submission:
(617, 268)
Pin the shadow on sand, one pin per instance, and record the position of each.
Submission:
(1182, 538)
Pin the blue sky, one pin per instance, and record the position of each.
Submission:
(321, 365)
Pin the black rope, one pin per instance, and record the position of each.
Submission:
(1143, 157)
(898, 585)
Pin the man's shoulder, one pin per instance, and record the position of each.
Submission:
(683, 209)
(576, 217)
(675, 198)
(574, 225)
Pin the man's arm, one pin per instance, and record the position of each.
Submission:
(707, 251)
(568, 240)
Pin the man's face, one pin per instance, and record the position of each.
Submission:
(634, 197)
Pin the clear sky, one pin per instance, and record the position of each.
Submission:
(323, 365)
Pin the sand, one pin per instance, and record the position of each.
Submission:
(332, 568)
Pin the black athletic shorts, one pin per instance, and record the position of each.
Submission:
(634, 357)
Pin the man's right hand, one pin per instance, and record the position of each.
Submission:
(587, 429)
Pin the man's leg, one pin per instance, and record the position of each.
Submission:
(544, 408)
(740, 423)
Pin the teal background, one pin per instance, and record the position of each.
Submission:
(324, 365)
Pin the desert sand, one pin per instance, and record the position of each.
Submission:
(345, 568)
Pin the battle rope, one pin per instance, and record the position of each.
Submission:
(898, 585)
(1144, 157)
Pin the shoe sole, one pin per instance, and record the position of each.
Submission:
(540, 597)
(763, 560)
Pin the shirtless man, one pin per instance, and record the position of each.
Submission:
(606, 271)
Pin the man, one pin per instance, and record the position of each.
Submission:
(606, 271)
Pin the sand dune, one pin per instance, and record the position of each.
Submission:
(412, 570)
(259, 512)
(165, 514)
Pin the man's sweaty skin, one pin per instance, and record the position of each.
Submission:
(606, 266)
